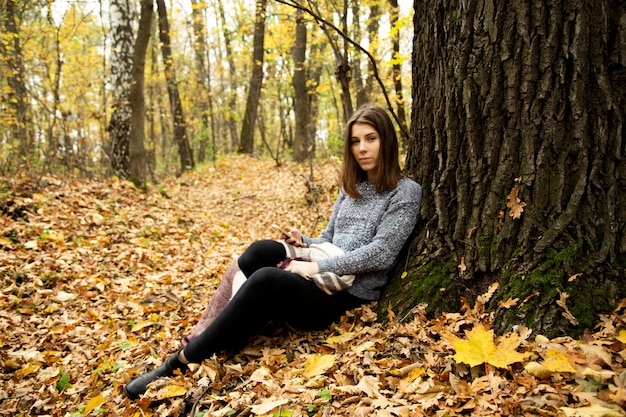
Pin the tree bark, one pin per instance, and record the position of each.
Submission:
(396, 67)
(246, 140)
(230, 115)
(121, 76)
(180, 126)
(519, 101)
(17, 100)
(205, 100)
(303, 146)
(137, 150)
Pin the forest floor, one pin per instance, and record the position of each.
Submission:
(99, 281)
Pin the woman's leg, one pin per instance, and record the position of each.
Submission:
(260, 254)
(269, 294)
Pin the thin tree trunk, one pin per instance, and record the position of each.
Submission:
(396, 67)
(373, 27)
(232, 77)
(180, 127)
(121, 75)
(303, 145)
(246, 140)
(137, 150)
(204, 101)
(343, 71)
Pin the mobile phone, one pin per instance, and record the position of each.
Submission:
(282, 230)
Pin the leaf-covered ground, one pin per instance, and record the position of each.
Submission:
(99, 281)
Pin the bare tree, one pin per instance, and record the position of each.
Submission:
(121, 78)
(231, 119)
(180, 126)
(203, 70)
(396, 67)
(137, 150)
(303, 142)
(246, 141)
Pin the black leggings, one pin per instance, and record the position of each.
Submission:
(269, 294)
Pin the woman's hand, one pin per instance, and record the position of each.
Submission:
(294, 238)
(303, 268)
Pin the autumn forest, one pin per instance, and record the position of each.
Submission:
(68, 70)
(145, 143)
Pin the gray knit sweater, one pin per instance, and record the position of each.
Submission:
(371, 231)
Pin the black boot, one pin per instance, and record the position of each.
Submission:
(138, 386)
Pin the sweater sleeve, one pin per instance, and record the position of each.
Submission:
(328, 233)
(395, 226)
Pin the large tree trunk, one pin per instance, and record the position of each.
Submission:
(246, 140)
(180, 126)
(137, 150)
(519, 106)
(121, 76)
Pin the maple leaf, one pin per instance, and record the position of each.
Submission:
(515, 205)
(479, 348)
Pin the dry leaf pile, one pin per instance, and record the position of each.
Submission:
(99, 281)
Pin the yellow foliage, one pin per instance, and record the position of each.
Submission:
(556, 361)
(318, 364)
(479, 348)
(94, 403)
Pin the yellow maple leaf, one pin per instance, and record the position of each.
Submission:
(479, 347)
(622, 336)
(318, 364)
(556, 361)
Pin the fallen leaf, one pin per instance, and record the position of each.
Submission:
(266, 406)
(479, 348)
(318, 364)
(556, 361)
(595, 410)
(63, 296)
(93, 404)
(515, 205)
(170, 391)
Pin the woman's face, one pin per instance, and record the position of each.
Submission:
(365, 146)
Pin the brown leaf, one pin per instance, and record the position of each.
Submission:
(515, 205)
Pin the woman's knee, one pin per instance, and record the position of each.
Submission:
(261, 254)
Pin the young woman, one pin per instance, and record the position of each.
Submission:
(373, 216)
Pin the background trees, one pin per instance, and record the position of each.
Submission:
(67, 74)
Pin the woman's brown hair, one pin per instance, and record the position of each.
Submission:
(389, 172)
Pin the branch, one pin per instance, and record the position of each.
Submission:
(323, 21)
